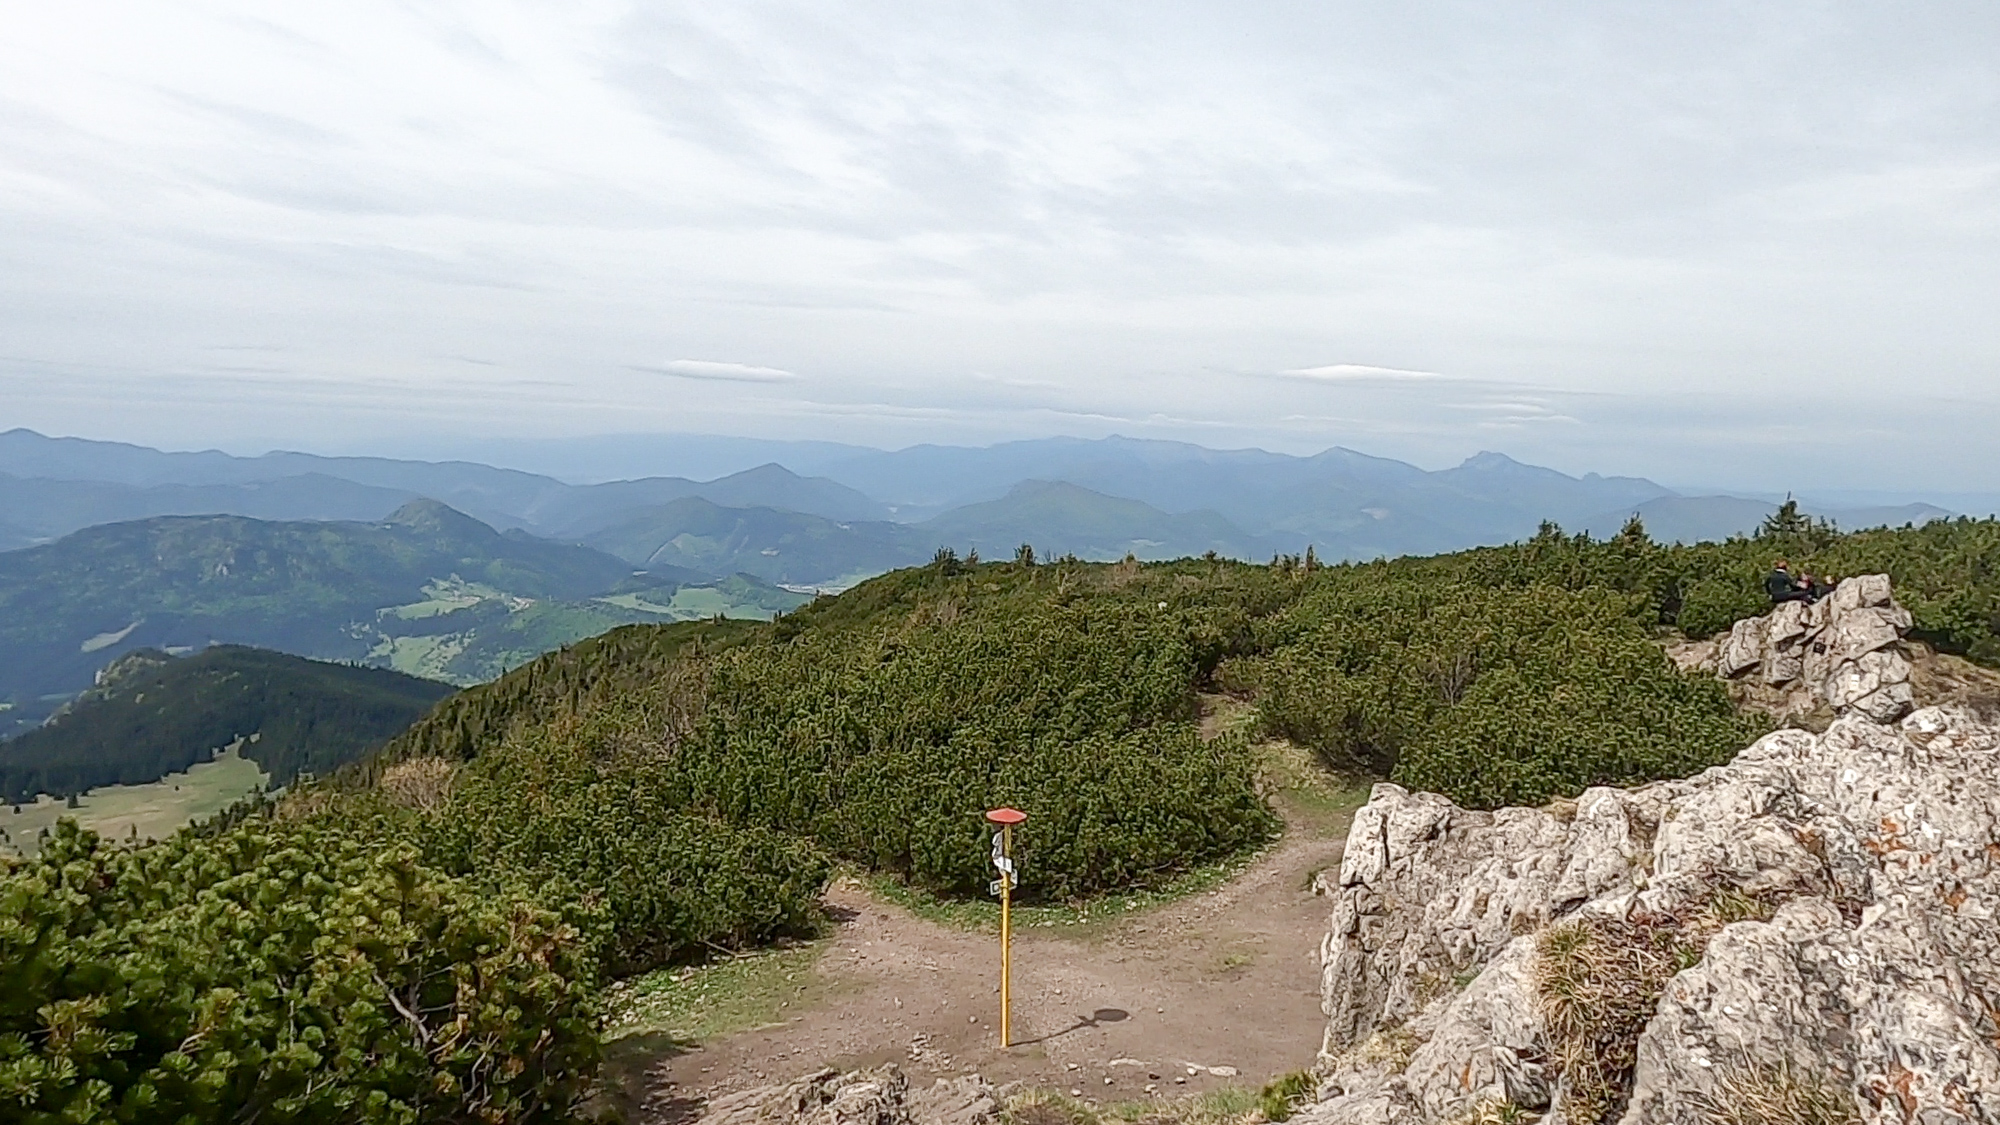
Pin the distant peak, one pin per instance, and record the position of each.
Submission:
(425, 514)
(767, 469)
(1488, 460)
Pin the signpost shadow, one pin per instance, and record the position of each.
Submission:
(1097, 1018)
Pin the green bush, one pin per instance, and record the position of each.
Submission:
(1491, 696)
(1711, 606)
(295, 975)
(882, 728)
(599, 838)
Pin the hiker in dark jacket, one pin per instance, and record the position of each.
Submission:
(1783, 587)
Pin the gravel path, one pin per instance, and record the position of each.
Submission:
(1221, 987)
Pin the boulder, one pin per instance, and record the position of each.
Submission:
(1845, 651)
(1823, 916)
(1744, 648)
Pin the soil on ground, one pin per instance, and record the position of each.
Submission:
(1221, 988)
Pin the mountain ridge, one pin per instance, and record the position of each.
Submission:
(1344, 503)
(428, 588)
(162, 714)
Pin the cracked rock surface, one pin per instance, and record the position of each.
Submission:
(1845, 651)
(860, 1097)
(1867, 974)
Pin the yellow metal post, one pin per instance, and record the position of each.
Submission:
(1003, 862)
(1006, 939)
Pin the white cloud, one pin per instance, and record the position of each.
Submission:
(1359, 372)
(720, 372)
(1013, 219)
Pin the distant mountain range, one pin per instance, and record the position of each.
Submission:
(457, 570)
(52, 486)
(1696, 519)
(1244, 502)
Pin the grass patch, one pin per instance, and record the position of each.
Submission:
(1598, 981)
(1047, 1107)
(668, 1011)
(1779, 1096)
(1312, 796)
(1229, 1105)
(1486, 1111)
(424, 656)
(695, 1003)
(1283, 1094)
(1077, 918)
(1287, 773)
(153, 811)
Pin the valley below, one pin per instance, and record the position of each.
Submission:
(146, 812)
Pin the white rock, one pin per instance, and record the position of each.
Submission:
(1846, 650)
(1878, 975)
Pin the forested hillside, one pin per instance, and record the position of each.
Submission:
(429, 591)
(775, 545)
(667, 790)
(154, 715)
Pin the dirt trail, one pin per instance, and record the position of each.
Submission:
(1228, 979)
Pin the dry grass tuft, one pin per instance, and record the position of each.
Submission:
(1282, 1095)
(1598, 981)
(423, 784)
(1779, 1096)
(1486, 1111)
(1387, 1049)
(1047, 1107)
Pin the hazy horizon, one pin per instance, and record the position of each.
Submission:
(1699, 242)
(598, 458)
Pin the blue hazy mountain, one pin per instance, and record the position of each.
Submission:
(1345, 503)
(50, 487)
(1694, 519)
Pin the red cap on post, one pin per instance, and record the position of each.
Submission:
(1006, 816)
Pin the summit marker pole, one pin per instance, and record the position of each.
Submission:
(1003, 860)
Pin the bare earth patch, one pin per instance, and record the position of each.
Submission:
(1218, 989)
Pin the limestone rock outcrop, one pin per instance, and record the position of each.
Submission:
(1845, 650)
(860, 1097)
(1815, 924)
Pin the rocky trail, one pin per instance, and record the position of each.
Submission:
(1217, 988)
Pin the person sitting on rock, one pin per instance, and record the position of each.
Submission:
(1820, 588)
(1783, 587)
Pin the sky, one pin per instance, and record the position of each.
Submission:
(1742, 245)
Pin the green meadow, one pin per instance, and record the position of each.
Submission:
(153, 811)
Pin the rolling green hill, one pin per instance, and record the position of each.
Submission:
(153, 715)
(429, 591)
(1061, 518)
(778, 546)
(803, 550)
